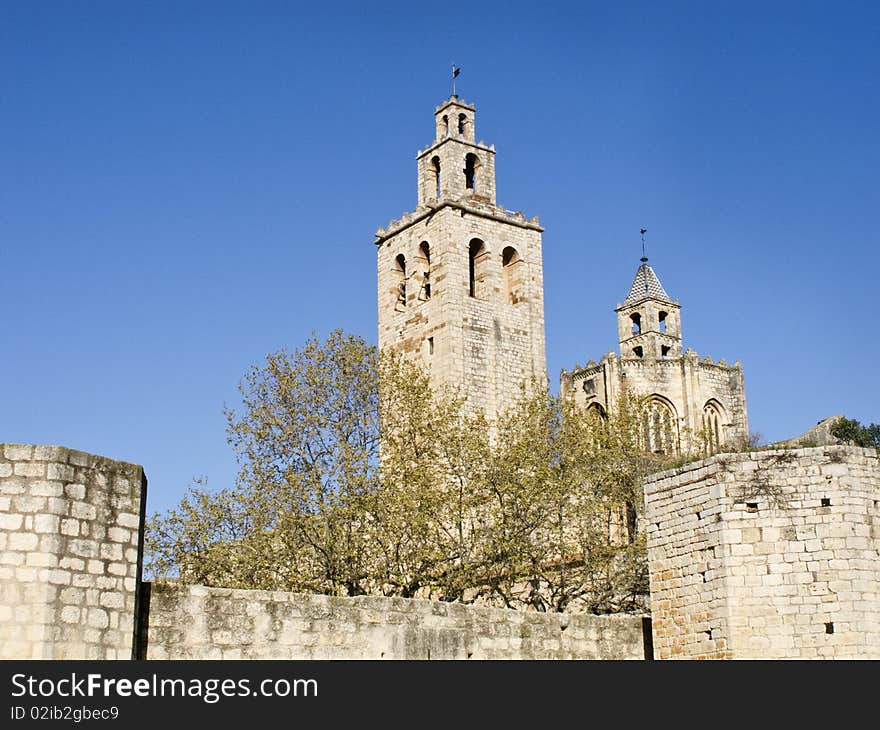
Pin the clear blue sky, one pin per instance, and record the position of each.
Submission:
(188, 186)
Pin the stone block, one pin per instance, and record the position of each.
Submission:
(18, 452)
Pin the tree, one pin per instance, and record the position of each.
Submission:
(534, 510)
(564, 489)
(306, 439)
(851, 431)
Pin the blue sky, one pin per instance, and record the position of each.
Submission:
(188, 186)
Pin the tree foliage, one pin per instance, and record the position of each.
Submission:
(851, 431)
(537, 509)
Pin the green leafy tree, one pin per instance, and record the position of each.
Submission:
(535, 510)
(564, 491)
(851, 431)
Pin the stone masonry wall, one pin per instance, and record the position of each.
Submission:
(195, 622)
(769, 554)
(687, 382)
(70, 553)
(485, 345)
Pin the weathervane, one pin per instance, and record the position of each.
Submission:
(644, 258)
(455, 72)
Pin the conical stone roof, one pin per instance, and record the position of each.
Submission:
(646, 284)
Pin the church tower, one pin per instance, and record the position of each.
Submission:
(648, 321)
(693, 404)
(460, 279)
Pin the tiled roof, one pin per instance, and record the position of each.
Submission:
(646, 284)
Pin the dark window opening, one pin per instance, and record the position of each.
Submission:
(462, 123)
(664, 350)
(638, 352)
(829, 627)
(636, 323)
(430, 345)
(425, 262)
(751, 506)
(826, 502)
(400, 272)
(663, 316)
(471, 164)
(709, 634)
(435, 162)
(445, 126)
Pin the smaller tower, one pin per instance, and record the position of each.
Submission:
(455, 165)
(648, 321)
(694, 404)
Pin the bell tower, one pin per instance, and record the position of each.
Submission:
(648, 321)
(460, 278)
(455, 165)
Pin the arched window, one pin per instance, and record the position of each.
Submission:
(713, 421)
(445, 126)
(425, 265)
(660, 426)
(400, 279)
(471, 165)
(663, 316)
(637, 323)
(638, 351)
(478, 260)
(462, 123)
(435, 164)
(595, 410)
(512, 267)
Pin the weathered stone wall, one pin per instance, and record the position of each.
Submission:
(770, 554)
(686, 382)
(70, 553)
(195, 622)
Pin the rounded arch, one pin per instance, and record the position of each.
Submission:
(660, 425)
(712, 426)
(512, 268)
(435, 166)
(462, 123)
(636, 319)
(597, 410)
(400, 279)
(471, 169)
(478, 265)
(424, 260)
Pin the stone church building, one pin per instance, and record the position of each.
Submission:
(460, 289)
(694, 404)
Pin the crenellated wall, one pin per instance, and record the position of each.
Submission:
(70, 553)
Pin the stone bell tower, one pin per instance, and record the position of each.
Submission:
(648, 321)
(460, 278)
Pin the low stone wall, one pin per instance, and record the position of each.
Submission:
(70, 553)
(770, 554)
(195, 622)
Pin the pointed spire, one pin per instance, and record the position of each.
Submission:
(646, 284)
